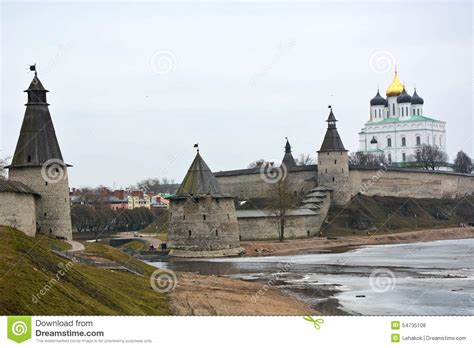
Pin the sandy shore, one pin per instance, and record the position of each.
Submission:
(206, 295)
(311, 245)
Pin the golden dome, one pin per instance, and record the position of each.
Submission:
(395, 88)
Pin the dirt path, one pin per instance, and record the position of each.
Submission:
(305, 246)
(205, 295)
(75, 246)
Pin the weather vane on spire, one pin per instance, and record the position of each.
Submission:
(33, 68)
(197, 147)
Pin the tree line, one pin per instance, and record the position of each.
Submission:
(97, 219)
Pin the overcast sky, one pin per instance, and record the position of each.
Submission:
(135, 85)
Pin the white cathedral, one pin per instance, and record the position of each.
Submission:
(397, 126)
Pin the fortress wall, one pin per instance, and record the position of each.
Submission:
(18, 210)
(53, 209)
(301, 226)
(410, 184)
(256, 186)
(261, 228)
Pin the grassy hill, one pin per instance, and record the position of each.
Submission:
(383, 214)
(28, 267)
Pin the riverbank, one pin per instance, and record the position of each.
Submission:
(318, 245)
(210, 295)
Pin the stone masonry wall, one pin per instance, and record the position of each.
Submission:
(189, 230)
(53, 211)
(249, 186)
(333, 172)
(18, 210)
(260, 228)
(410, 184)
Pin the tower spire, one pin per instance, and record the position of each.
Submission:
(37, 143)
(288, 159)
(332, 141)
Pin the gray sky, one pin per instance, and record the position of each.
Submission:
(135, 85)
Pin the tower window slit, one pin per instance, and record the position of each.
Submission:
(217, 233)
(333, 179)
(204, 217)
(189, 233)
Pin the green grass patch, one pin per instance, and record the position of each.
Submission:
(115, 254)
(35, 281)
(159, 227)
(134, 246)
(60, 245)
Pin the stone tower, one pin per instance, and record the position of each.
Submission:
(38, 163)
(333, 164)
(288, 159)
(202, 216)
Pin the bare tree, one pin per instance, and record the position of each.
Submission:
(430, 157)
(257, 164)
(305, 159)
(157, 185)
(281, 201)
(366, 159)
(462, 163)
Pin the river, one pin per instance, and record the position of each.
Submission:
(426, 278)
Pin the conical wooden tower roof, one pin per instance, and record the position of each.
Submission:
(332, 141)
(37, 142)
(199, 181)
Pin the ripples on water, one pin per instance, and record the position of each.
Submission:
(431, 278)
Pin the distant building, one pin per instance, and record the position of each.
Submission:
(158, 201)
(398, 127)
(139, 201)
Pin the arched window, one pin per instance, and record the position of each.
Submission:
(418, 140)
(403, 113)
(404, 141)
(389, 157)
(440, 140)
(393, 107)
(404, 157)
(389, 142)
